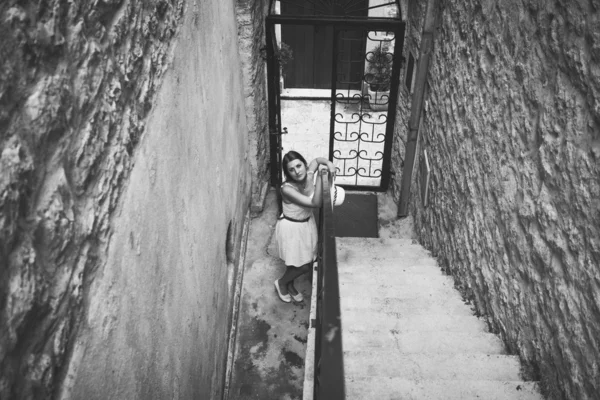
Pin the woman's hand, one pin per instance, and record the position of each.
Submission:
(332, 169)
(320, 162)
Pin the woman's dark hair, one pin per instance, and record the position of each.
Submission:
(291, 156)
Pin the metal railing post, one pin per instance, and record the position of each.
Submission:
(329, 361)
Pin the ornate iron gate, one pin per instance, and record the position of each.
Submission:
(366, 53)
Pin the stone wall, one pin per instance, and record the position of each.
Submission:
(511, 125)
(251, 31)
(123, 190)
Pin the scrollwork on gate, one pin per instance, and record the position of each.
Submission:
(361, 119)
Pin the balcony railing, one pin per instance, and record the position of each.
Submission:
(325, 336)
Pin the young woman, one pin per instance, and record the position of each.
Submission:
(296, 230)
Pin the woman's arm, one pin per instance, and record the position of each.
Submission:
(314, 165)
(296, 197)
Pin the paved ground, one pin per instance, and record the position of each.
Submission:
(271, 335)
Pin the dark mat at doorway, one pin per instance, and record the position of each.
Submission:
(357, 216)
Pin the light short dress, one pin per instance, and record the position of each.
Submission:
(296, 241)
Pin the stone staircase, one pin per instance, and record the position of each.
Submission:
(407, 334)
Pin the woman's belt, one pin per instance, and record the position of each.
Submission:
(283, 216)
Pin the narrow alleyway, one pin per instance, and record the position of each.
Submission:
(271, 335)
(420, 340)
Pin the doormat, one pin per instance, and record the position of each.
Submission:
(357, 216)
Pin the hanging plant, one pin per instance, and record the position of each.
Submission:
(284, 55)
(379, 70)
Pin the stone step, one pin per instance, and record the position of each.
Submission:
(417, 283)
(386, 273)
(399, 259)
(369, 248)
(361, 320)
(415, 305)
(387, 268)
(444, 293)
(401, 291)
(404, 279)
(423, 341)
(356, 260)
(375, 244)
(382, 388)
(419, 366)
(407, 333)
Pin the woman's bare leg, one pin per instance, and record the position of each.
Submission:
(290, 274)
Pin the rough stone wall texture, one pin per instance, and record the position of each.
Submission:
(116, 197)
(251, 32)
(512, 126)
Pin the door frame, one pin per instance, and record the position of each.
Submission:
(274, 101)
(273, 78)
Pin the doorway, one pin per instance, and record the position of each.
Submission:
(325, 100)
(312, 45)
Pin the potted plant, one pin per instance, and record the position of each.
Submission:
(284, 55)
(379, 77)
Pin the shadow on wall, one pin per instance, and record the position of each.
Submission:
(104, 264)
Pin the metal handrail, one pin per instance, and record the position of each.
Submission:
(329, 361)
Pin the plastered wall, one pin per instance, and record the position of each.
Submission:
(124, 169)
(511, 126)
